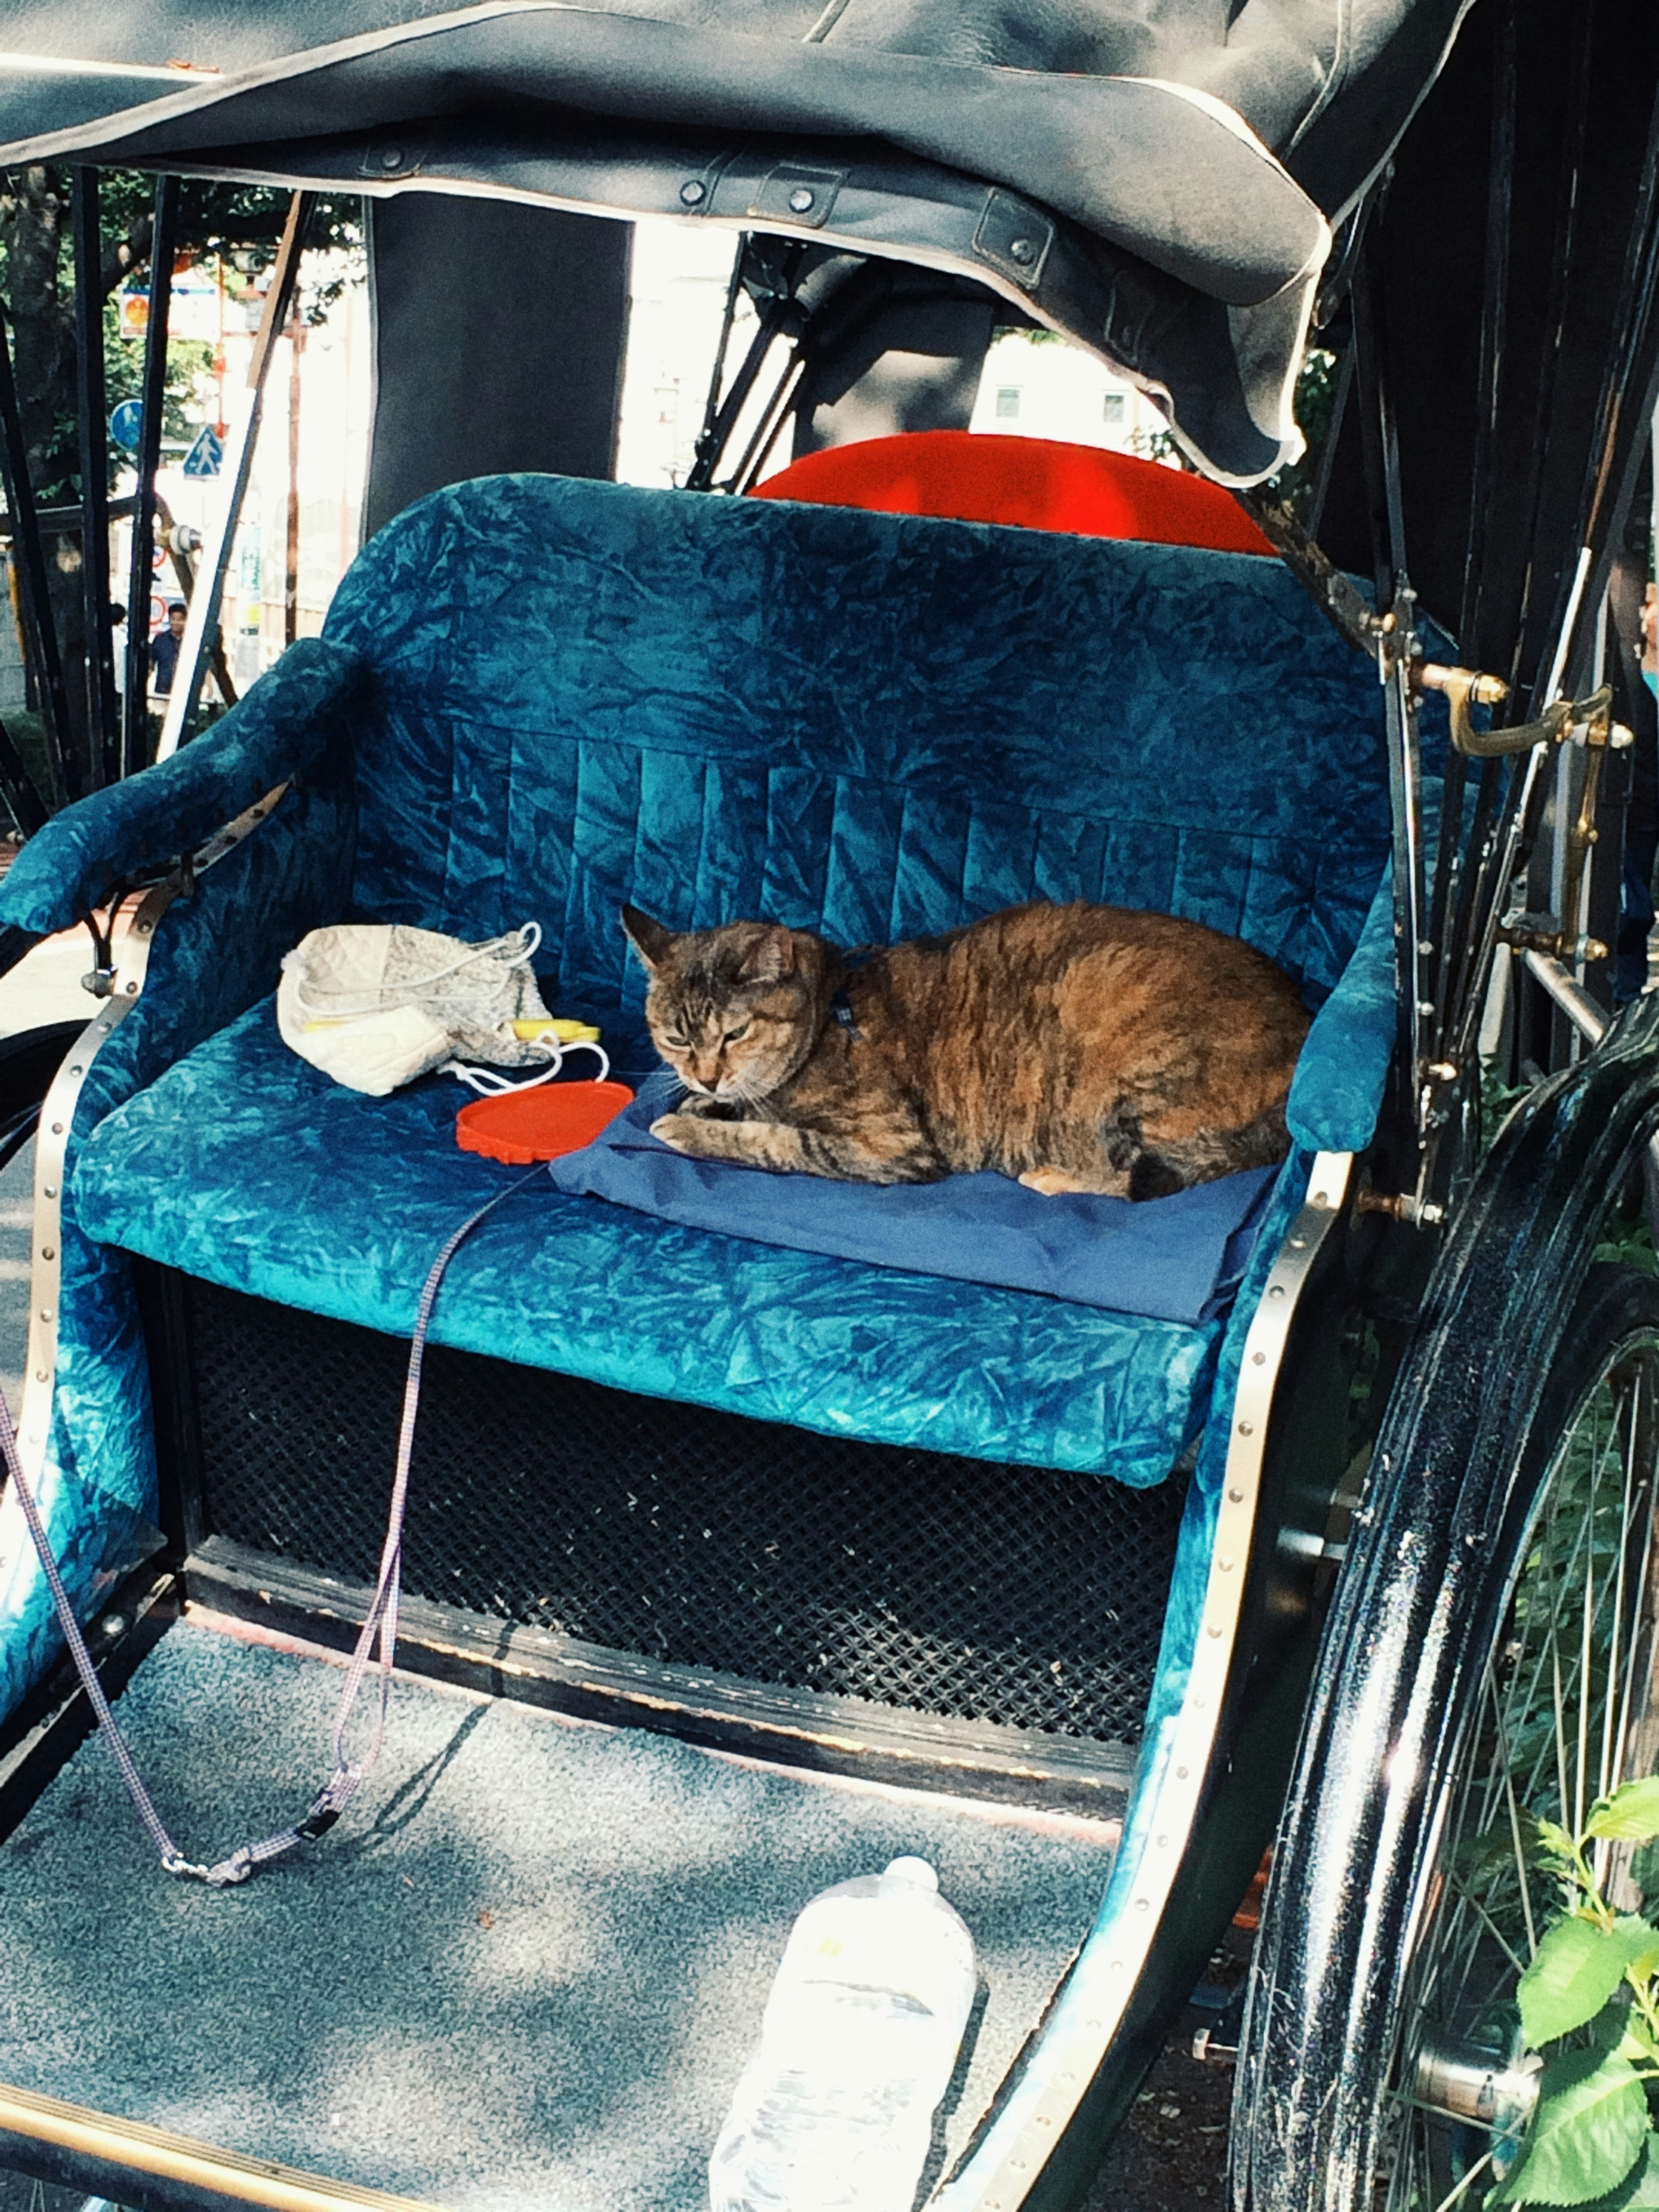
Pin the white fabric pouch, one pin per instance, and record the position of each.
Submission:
(374, 1005)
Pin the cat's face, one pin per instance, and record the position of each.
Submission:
(732, 1011)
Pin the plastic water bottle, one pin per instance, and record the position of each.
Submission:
(835, 2110)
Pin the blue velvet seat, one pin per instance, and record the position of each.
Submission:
(535, 699)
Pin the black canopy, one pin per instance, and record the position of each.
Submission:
(1158, 181)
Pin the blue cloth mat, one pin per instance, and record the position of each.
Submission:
(1173, 1259)
(246, 1167)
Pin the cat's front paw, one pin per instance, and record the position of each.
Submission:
(684, 1133)
(699, 1104)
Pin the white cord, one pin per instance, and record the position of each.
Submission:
(488, 1083)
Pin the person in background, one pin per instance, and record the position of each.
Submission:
(1651, 638)
(164, 649)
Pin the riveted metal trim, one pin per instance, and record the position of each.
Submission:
(998, 2178)
(51, 1145)
(1014, 237)
(797, 196)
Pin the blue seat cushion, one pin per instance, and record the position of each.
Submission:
(244, 1166)
(1175, 1259)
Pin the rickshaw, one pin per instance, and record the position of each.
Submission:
(731, 1565)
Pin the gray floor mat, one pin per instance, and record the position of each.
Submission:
(522, 1975)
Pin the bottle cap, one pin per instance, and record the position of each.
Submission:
(913, 1870)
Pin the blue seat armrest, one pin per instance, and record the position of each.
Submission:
(284, 727)
(1337, 1091)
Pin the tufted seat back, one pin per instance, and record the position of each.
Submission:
(872, 725)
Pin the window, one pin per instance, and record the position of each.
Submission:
(1114, 409)
(1007, 402)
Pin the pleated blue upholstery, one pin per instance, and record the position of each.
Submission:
(871, 725)
(536, 699)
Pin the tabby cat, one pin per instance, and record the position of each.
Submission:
(1078, 1048)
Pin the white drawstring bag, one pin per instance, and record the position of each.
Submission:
(374, 1005)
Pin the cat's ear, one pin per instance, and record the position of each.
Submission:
(770, 958)
(649, 939)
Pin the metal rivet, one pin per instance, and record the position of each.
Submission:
(1213, 1628)
(1275, 1289)
(1226, 1565)
(50, 1191)
(392, 157)
(1143, 1905)
(692, 191)
(1181, 1774)
(57, 1128)
(1245, 1430)
(1258, 1359)
(800, 199)
(1320, 1198)
(42, 1375)
(1021, 249)
(132, 987)
(78, 1071)
(145, 927)
(48, 1252)
(46, 1313)
(1163, 1842)
(1236, 1495)
(112, 1625)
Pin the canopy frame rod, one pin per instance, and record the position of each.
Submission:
(202, 621)
(39, 628)
(1462, 885)
(164, 236)
(92, 395)
(780, 314)
(1398, 652)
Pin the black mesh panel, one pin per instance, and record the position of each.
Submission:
(943, 1585)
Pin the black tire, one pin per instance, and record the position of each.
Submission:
(1380, 2061)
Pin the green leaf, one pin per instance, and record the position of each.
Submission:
(1630, 1815)
(1589, 2129)
(1575, 1969)
(1639, 2191)
(1557, 1842)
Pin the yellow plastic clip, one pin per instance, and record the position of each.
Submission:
(567, 1032)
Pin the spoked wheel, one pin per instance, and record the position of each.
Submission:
(1418, 2105)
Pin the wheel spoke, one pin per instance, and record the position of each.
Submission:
(1564, 1705)
(1514, 1812)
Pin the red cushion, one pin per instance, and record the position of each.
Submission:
(1035, 483)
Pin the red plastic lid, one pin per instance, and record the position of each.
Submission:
(1035, 483)
(523, 1126)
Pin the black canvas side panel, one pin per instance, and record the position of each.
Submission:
(1511, 255)
(499, 335)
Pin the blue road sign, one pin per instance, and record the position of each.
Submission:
(126, 424)
(206, 456)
